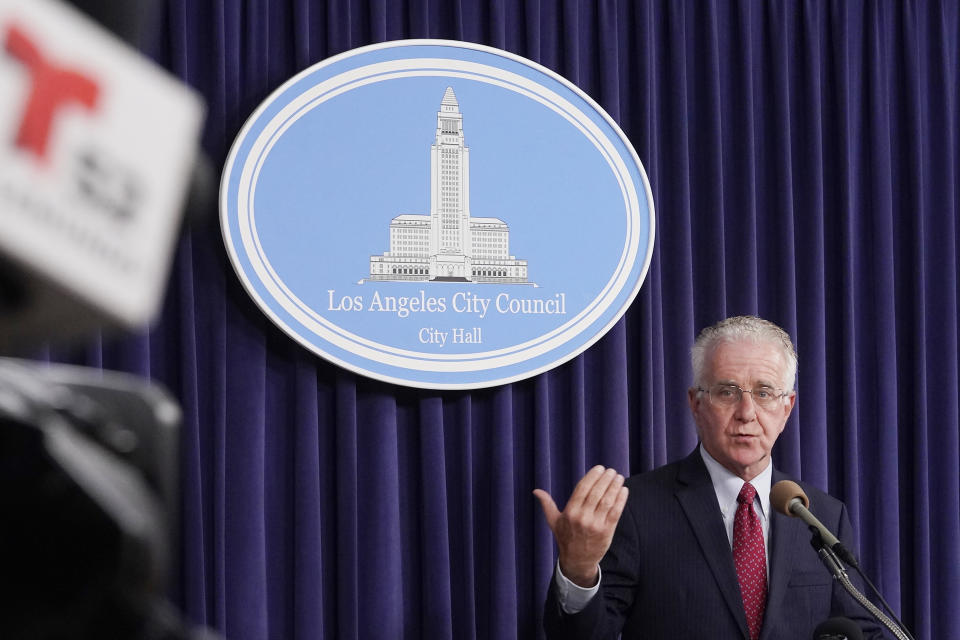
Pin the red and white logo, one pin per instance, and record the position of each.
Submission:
(52, 86)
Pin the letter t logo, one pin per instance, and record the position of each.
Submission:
(52, 87)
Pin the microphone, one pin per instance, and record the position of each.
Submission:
(789, 499)
(98, 146)
(837, 629)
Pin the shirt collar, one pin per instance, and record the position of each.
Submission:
(727, 485)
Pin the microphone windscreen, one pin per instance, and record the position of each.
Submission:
(837, 629)
(783, 492)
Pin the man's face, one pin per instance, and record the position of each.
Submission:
(741, 436)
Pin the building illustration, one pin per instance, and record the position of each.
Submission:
(449, 245)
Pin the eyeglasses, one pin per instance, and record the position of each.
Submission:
(728, 395)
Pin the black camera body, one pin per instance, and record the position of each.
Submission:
(88, 479)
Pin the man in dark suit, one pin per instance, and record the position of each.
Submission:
(692, 549)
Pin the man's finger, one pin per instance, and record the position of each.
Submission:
(583, 488)
(592, 501)
(613, 516)
(609, 497)
(550, 511)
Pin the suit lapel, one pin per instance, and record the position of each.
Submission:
(699, 502)
(785, 539)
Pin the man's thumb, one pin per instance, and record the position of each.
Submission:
(550, 511)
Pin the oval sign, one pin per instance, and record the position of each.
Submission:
(437, 214)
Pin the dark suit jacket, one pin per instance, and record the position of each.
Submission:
(669, 571)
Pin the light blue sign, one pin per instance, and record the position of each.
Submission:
(437, 214)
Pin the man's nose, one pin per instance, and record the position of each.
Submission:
(746, 408)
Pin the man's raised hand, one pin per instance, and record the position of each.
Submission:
(585, 527)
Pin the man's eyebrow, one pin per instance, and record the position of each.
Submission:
(756, 383)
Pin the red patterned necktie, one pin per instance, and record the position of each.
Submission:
(750, 559)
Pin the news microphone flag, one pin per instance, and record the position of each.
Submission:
(97, 145)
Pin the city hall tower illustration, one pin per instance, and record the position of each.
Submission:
(449, 245)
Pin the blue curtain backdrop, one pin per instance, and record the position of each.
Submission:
(805, 163)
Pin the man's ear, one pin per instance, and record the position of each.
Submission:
(791, 401)
(693, 399)
(788, 409)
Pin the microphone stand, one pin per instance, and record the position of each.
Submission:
(834, 566)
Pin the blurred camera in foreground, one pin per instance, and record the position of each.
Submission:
(88, 479)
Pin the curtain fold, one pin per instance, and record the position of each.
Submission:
(803, 158)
